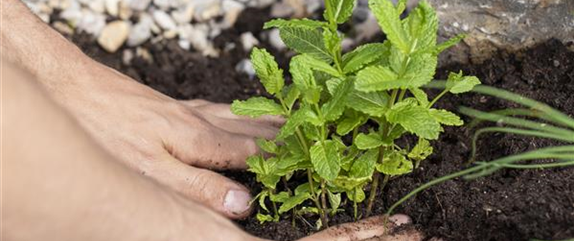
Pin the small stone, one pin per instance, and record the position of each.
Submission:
(127, 56)
(97, 6)
(141, 32)
(125, 10)
(163, 4)
(63, 28)
(170, 34)
(184, 14)
(248, 41)
(144, 54)
(45, 17)
(114, 35)
(184, 44)
(164, 20)
(281, 10)
(298, 6)
(73, 13)
(91, 22)
(313, 5)
(347, 44)
(245, 67)
(275, 39)
(556, 63)
(113, 7)
(260, 3)
(231, 9)
(207, 10)
(139, 5)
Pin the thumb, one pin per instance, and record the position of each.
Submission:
(370, 229)
(203, 186)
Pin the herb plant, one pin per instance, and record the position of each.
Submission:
(326, 138)
(535, 119)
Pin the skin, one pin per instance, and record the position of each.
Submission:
(91, 151)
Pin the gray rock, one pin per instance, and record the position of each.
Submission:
(246, 67)
(281, 10)
(164, 20)
(496, 24)
(139, 5)
(127, 56)
(113, 7)
(207, 9)
(91, 22)
(248, 41)
(275, 39)
(140, 32)
(231, 10)
(184, 14)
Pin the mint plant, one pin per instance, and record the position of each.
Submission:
(333, 95)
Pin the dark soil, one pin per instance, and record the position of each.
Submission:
(509, 205)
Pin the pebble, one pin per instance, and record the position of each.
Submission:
(184, 14)
(114, 35)
(245, 67)
(232, 9)
(63, 28)
(140, 32)
(275, 39)
(97, 6)
(113, 7)
(139, 5)
(281, 10)
(207, 9)
(164, 20)
(91, 22)
(127, 56)
(248, 41)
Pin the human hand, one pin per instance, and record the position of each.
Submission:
(173, 142)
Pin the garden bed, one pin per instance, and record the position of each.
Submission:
(509, 205)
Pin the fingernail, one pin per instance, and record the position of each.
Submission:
(236, 201)
(400, 219)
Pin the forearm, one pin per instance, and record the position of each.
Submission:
(58, 185)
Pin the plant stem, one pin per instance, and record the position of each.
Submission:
(324, 204)
(315, 196)
(373, 194)
(437, 98)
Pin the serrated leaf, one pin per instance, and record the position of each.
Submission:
(339, 11)
(389, 19)
(298, 117)
(349, 183)
(372, 103)
(446, 117)
(415, 119)
(364, 166)
(332, 40)
(422, 25)
(256, 106)
(420, 95)
(319, 65)
(293, 201)
(378, 78)
(334, 201)
(299, 23)
(457, 83)
(262, 218)
(368, 141)
(305, 188)
(332, 85)
(395, 164)
(290, 163)
(302, 75)
(364, 55)
(279, 197)
(421, 150)
(449, 43)
(357, 195)
(267, 146)
(306, 41)
(267, 70)
(256, 164)
(325, 159)
(420, 70)
(291, 96)
(334, 108)
(349, 158)
(349, 122)
(262, 196)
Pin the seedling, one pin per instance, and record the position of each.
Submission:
(548, 123)
(333, 95)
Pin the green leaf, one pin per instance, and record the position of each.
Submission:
(457, 83)
(415, 119)
(389, 20)
(325, 159)
(290, 163)
(372, 103)
(369, 141)
(332, 40)
(267, 70)
(357, 195)
(449, 43)
(364, 55)
(256, 106)
(395, 164)
(256, 164)
(349, 122)
(306, 41)
(267, 146)
(316, 64)
(263, 195)
(364, 166)
(298, 23)
(262, 218)
(305, 188)
(334, 201)
(302, 75)
(350, 183)
(334, 108)
(291, 96)
(299, 117)
(420, 70)
(420, 95)
(339, 11)
(446, 117)
(421, 151)
(423, 26)
(279, 197)
(377, 78)
(349, 158)
(293, 201)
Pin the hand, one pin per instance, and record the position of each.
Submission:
(174, 142)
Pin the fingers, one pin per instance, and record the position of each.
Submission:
(203, 186)
(372, 229)
(224, 111)
(243, 127)
(212, 148)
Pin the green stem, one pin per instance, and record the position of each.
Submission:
(324, 203)
(437, 98)
(373, 194)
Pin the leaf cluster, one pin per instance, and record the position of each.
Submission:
(333, 96)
